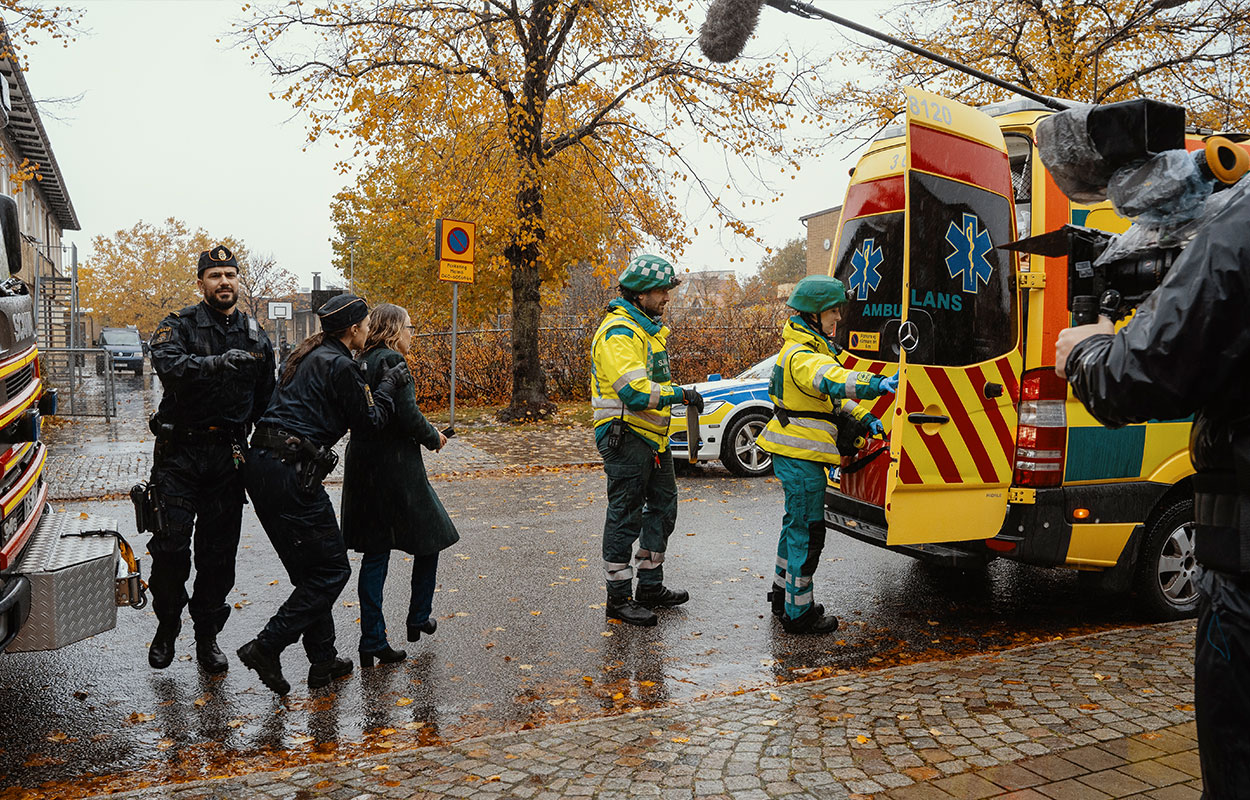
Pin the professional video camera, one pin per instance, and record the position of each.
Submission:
(1133, 154)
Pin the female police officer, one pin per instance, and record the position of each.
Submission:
(320, 396)
(808, 383)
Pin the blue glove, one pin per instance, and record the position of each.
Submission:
(874, 425)
(889, 385)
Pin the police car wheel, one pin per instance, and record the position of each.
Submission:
(739, 452)
(1166, 586)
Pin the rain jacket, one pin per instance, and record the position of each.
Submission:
(808, 379)
(629, 375)
(1187, 351)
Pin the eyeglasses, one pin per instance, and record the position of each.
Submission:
(411, 328)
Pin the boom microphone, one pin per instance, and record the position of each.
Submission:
(728, 25)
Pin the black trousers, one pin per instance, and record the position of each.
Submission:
(203, 495)
(1222, 685)
(305, 533)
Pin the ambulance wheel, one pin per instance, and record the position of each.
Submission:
(739, 452)
(1166, 569)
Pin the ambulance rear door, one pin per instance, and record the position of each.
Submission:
(954, 433)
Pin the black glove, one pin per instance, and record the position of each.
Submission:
(692, 399)
(230, 360)
(394, 379)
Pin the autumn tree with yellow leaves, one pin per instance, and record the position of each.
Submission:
(137, 276)
(1192, 52)
(558, 126)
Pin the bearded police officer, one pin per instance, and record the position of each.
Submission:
(217, 369)
(807, 387)
(632, 390)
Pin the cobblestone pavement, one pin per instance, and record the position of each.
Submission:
(1106, 715)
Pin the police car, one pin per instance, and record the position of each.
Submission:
(735, 411)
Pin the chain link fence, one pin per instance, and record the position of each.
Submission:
(84, 378)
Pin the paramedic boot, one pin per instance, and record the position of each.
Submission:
(161, 651)
(626, 610)
(323, 673)
(810, 621)
(660, 596)
(209, 654)
(267, 664)
(777, 598)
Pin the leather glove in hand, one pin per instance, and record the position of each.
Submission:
(230, 360)
(394, 379)
(692, 399)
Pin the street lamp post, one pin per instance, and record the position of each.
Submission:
(351, 260)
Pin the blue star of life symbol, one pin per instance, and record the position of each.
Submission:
(864, 264)
(969, 258)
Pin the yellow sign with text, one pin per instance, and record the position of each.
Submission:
(457, 271)
(861, 340)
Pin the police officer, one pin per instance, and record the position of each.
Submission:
(217, 369)
(321, 395)
(1187, 351)
(808, 384)
(632, 388)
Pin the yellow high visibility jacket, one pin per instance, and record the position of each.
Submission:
(808, 379)
(629, 374)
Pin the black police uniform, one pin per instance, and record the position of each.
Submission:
(1187, 351)
(201, 432)
(325, 398)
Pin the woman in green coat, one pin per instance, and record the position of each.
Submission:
(388, 502)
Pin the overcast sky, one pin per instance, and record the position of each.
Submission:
(173, 123)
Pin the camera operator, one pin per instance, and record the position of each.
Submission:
(1187, 351)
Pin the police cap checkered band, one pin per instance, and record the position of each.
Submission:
(219, 256)
(647, 272)
(341, 312)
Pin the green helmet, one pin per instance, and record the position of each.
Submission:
(647, 272)
(817, 293)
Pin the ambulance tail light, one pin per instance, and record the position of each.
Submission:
(1043, 433)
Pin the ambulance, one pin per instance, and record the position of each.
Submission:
(987, 453)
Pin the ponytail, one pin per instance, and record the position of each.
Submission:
(305, 347)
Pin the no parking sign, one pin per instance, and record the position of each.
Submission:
(455, 249)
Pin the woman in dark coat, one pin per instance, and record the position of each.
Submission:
(388, 502)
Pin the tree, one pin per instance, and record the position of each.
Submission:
(137, 276)
(262, 280)
(1094, 51)
(556, 125)
(786, 264)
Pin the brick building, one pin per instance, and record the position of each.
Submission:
(822, 232)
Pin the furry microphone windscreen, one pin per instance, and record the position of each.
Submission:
(728, 25)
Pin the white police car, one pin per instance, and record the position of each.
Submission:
(735, 411)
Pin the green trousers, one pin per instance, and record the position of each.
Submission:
(802, 529)
(642, 507)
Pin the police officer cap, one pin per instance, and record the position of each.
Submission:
(817, 293)
(341, 312)
(219, 256)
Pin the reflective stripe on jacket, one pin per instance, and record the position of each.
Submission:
(808, 379)
(629, 374)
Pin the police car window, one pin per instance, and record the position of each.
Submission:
(870, 264)
(120, 338)
(761, 371)
(961, 300)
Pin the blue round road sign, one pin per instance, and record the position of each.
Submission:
(458, 240)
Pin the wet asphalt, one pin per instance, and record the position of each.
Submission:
(522, 639)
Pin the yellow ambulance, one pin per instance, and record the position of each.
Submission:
(989, 455)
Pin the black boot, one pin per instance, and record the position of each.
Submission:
(810, 621)
(324, 672)
(660, 596)
(161, 651)
(777, 597)
(268, 666)
(626, 610)
(387, 655)
(428, 627)
(209, 654)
